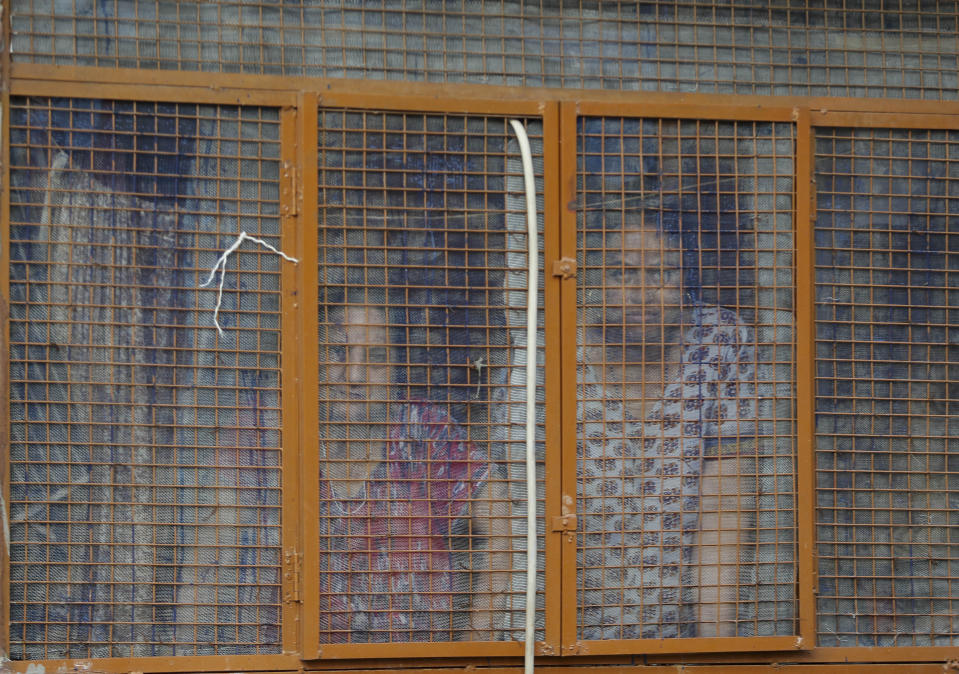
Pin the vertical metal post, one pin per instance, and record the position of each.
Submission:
(568, 319)
(805, 376)
(307, 357)
(552, 288)
(5, 326)
(290, 607)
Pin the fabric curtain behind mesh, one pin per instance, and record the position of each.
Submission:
(887, 252)
(102, 436)
(140, 491)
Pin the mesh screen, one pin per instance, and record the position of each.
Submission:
(685, 410)
(144, 453)
(883, 48)
(887, 251)
(422, 286)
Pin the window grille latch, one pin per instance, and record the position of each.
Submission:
(292, 569)
(564, 267)
(563, 523)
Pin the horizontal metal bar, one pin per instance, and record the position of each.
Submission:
(276, 90)
(889, 120)
(266, 664)
(694, 645)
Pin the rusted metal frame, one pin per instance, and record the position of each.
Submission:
(22, 72)
(871, 668)
(432, 104)
(568, 215)
(444, 663)
(206, 663)
(651, 646)
(386, 651)
(908, 653)
(553, 317)
(805, 337)
(267, 664)
(201, 663)
(133, 90)
(311, 561)
(5, 326)
(708, 101)
(699, 111)
(679, 668)
(307, 356)
(5, 323)
(885, 120)
(771, 668)
(291, 552)
(690, 646)
(404, 664)
(885, 653)
(821, 656)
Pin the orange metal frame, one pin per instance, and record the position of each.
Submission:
(311, 648)
(805, 388)
(570, 113)
(292, 383)
(299, 99)
(4, 317)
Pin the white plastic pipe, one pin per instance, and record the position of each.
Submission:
(533, 282)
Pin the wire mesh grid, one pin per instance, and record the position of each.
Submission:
(882, 48)
(422, 284)
(685, 386)
(887, 251)
(144, 449)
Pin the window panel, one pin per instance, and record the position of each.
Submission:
(685, 381)
(887, 252)
(144, 449)
(422, 318)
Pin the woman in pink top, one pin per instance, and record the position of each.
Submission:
(414, 538)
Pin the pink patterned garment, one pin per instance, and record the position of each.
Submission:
(639, 481)
(388, 571)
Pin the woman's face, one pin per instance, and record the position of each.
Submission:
(356, 367)
(643, 278)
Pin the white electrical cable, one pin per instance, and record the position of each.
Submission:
(222, 263)
(531, 552)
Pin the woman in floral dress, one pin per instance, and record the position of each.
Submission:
(665, 399)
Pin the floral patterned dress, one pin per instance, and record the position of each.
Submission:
(639, 481)
(387, 568)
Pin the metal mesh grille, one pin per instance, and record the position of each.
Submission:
(853, 48)
(144, 452)
(685, 384)
(422, 282)
(887, 251)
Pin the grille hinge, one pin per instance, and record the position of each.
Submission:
(292, 572)
(289, 190)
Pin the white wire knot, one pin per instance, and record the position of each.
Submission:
(222, 263)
